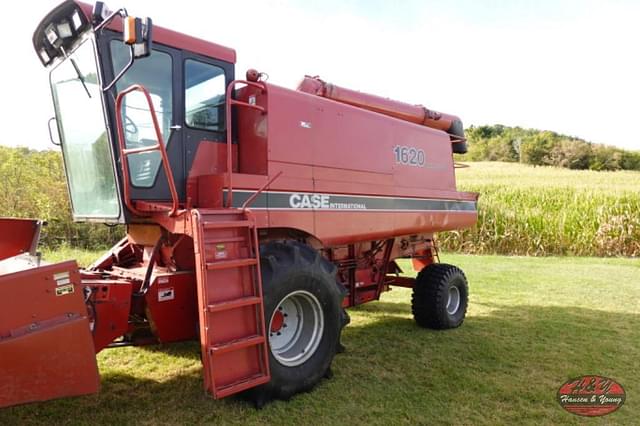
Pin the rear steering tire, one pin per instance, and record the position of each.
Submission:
(303, 318)
(440, 297)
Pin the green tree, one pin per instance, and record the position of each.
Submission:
(606, 158)
(537, 147)
(571, 154)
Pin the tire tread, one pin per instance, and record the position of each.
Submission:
(283, 258)
(428, 301)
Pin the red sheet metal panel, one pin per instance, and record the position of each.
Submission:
(172, 306)
(112, 303)
(46, 348)
(16, 236)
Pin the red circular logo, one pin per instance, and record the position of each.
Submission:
(591, 396)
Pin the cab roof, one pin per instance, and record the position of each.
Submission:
(175, 39)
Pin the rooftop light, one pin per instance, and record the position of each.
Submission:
(45, 57)
(52, 35)
(64, 29)
(77, 22)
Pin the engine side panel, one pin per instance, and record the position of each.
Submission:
(348, 174)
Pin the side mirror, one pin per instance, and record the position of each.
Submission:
(138, 34)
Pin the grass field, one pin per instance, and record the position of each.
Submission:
(532, 324)
(529, 210)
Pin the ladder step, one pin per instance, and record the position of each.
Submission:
(228, 224)
(235, 345)
(235, 263)
(211, 241)
(241, 385)
(233, 304)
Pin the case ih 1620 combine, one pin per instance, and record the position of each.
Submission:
(254, 214)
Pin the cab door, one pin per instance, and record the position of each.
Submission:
(161, 75)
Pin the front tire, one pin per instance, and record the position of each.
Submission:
(303, 318)
(440, 297)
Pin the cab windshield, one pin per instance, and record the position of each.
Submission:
(85, 147)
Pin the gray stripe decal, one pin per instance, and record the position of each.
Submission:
(332, 202)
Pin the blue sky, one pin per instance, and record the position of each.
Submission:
(569, 66)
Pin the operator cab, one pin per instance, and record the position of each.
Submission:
(95, 54)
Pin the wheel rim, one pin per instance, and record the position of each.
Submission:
(453, 300)
(295, 328)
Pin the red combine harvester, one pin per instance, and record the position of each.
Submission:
(254, 214)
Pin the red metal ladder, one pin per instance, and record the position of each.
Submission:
(232, 329)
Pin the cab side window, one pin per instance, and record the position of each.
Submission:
(205, 87)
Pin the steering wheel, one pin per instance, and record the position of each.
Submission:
(129, 126)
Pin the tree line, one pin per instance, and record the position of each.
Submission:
(545, 148)
(33, 185)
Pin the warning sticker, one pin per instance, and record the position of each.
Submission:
(64, 290)
(165, 294)
(62, 278)
(221, 252)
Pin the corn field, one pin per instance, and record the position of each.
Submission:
(539, 211)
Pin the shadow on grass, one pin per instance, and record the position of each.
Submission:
(504, 367)
(384, 308)
(181, 349)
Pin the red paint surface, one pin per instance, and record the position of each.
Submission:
(232, 333)
(173, 316)
(16, 236)
(413, 113)
(46, 349)
(113, 304)
(277, 321)
(345, 150)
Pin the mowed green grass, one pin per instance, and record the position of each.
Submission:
(532, 324)
(543, 211)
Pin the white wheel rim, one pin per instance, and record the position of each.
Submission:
(295, 328)
(453, 300)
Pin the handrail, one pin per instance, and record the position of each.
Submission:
(259, 191)
(159, 146)
(229, 103)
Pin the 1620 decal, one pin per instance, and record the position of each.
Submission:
(409, 156)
